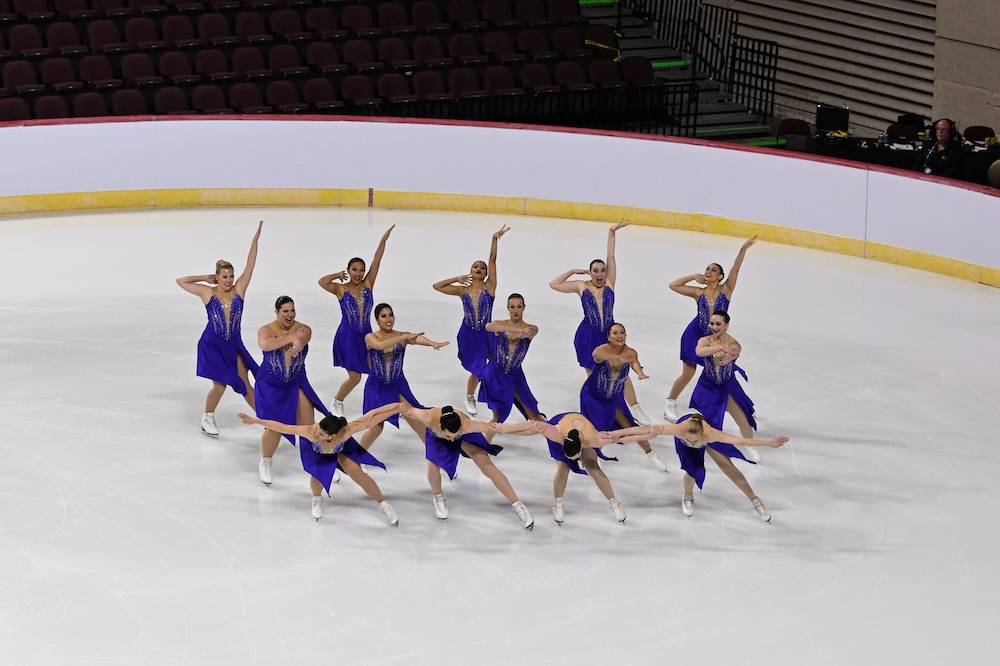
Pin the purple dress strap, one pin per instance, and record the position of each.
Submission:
(221, 344)
(593, 330)
(445, 454)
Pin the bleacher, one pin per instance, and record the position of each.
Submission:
(537, 61)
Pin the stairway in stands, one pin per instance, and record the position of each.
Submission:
(718, 117)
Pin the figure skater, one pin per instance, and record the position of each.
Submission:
(329, 445)
(477, 290)
(693, 437)
(222, 356)
(504, 385)
(283, 390)
(573, 440)
(713, 295)
(718, 391)
(602, 398)
(386, 382)
(449, 434)
(355, 297)
(597, 296)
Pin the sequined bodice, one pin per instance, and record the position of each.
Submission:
(716, 373)
(721, 303)
(477, 319)
(509, 357)
(602, 318)
(217, 317)
(608, 383)
(274, 362)
(384, 372)
(337, 448)
(358, 318)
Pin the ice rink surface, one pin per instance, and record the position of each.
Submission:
(129, 537)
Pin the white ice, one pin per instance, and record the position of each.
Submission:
(129, 537)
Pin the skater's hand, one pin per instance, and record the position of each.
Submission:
(621, 225)
(777, 441)
(246, 418)
(749, 243)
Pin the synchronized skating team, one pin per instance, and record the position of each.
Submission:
(492, 352)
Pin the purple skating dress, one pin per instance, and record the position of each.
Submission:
(278, 386)
(445, 454)
(222, 343)
(556, 449)
(593, 330)
(473, 338)
(715, 385)
(322, 466)
(698, 328)
(693, 460)
(503, 378)
(385, 384)
(603, 393)
(349, 349)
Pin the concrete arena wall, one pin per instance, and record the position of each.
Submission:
(860, 210)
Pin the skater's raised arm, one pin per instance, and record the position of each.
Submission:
(610, 263)
(243, 281)
(563, 284)
(377, 259)
(491, 266)
(730, 284)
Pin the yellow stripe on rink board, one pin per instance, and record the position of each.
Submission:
(476, 203)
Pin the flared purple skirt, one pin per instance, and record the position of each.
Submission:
(445, 454)
(279, 401)
(710, 399)
(217, 360)
(586, 340)
(502, 391)
(473, 349)
(322, 466)
(693, 460)
(349, 349)
(378, 395)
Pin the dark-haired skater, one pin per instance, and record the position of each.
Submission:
(356, 300)
(477, 290)
(448, 435)
(328, 445)
(386, 382)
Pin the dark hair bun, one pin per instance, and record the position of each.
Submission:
(450, 421)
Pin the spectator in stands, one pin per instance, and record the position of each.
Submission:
(944, 156)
